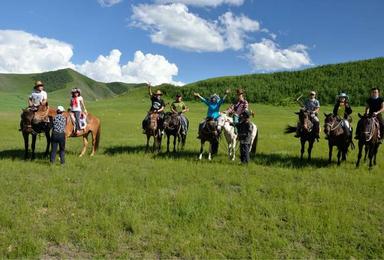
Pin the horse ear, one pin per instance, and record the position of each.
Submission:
(325, 114)
(360, 116)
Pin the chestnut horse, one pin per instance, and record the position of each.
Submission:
(93, 127)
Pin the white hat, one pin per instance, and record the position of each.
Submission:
(312, 92)
(60, 108)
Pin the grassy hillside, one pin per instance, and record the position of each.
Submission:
(281, 88)
(59, 83)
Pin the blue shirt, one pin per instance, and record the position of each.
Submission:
(213, 108)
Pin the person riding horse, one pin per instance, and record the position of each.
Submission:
(213, 104)
(312, 105)
(77, 109)
(238, 108)
(179, 107)
(157, 106)
(374, 107)
(342, 110)
(38, 97)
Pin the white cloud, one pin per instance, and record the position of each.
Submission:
(267, 56)
(200, 3)
(236, 28)
(22, 52)
(144, 68)
(173, 25)
(108, 3)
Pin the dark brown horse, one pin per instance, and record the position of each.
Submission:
(369, 137)
(93, 127)
(172, 127)
(153, 129)
(209, 133)
(32, 123)
(305, 130)
(337, 136)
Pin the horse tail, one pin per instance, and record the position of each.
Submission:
(97, 138)
(290, 129)
(254, 143)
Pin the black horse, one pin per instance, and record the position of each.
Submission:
(209, 133)
(173, 127)
(369, 137)
(30, 126)
(305, 130)
(337, 136)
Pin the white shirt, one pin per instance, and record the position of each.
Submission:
(75, 103)
(37, 97)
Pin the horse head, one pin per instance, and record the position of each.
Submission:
(171, 121)
(26, 120)
(304, 119)
(329, 122)
(370, 127)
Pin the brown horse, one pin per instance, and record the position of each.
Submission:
(337, 136)
(153, 129)
(209, 133)
(93, 127)
(34, 123)
(305, 130)
(172, 126)
(369, 137)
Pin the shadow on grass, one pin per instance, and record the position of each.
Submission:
(18, 154)
(142, 149)
(289, 161)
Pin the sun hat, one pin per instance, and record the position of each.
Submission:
(60, 109)
(239, 91)
(38, 84)
(312, 93)
(158, 92)
(215, 96)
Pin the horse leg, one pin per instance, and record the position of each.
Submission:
(48, 138)
(93, 144)
(85, 145)
(302, 149)
(310, 146)
(338, 156)
(234, 149)
(210, 151)
(33, 146)
(330, 153)
(174, 143)
(359, 153)
(168, 137)
(159, 138)
(201, 150)
(26, 145)
(147, 147)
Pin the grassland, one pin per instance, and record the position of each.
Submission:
(125, 203)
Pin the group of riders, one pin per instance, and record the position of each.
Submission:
(38, 103)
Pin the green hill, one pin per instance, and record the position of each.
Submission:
(281, 88)
(59, 83)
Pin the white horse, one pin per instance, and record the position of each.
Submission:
(226, 123)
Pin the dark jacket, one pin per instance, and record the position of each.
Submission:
(348, 109)
(244, 130)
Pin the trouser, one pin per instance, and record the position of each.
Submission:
(244, 152)
(77, 120)
(58, 140)
(184, 124)
(346, 126)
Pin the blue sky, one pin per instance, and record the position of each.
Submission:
(181, 41)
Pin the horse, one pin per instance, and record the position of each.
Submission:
(32, 124)
(92, 127)
(172, 126)
(153, 129)
(209, 133)
(226, 123)
(336, 137)
(306, 132)
(369, 137)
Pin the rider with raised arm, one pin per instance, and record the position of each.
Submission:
(342, 110)
(312, 105)
(213, 104)
(374, 107)
(157, 106)
(179, 107)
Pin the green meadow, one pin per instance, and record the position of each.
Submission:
(125, 203)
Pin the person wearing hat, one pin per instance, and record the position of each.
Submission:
(245, 129)
(312, 105)
(38, 96)
(238, 108)
(157, 106)
(77, 108)
(342, 110)
(213, 104)
(58, 135)
(179, 107)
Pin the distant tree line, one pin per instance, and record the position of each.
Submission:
(282, 88)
